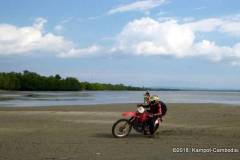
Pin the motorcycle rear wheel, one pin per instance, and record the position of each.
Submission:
(121, 128)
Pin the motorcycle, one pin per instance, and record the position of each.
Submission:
(136, 120)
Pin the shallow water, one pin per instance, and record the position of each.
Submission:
(15, 99)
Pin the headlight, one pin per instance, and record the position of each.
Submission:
(140, 109)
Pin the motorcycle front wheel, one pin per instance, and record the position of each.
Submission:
(121, 128)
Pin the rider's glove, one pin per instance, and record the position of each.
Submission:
(151, 115)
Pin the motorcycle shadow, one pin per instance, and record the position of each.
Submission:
(103, 135)
(109, 135)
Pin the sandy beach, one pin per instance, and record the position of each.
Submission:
(84, 132)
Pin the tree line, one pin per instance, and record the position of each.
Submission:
(30, 81)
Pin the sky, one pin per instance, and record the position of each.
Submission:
(150, 43)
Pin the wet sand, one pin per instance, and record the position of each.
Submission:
(84, 132)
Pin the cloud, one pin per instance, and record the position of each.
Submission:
(147, 36)
(227, 25)
(143, 37)
(143, 5)
(39, 23)
(231, 27)
(66, 20)
(81, 52)
(33, 39)
(58, 28)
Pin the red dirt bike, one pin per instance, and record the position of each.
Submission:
(136, 120)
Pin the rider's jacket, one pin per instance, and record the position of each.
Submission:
(154, 108)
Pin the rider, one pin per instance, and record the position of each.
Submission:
(147, 98)
(154, 112)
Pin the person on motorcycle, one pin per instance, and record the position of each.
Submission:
(147, 98)
(155, 112)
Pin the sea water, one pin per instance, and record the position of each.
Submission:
(35, 98)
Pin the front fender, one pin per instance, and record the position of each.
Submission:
(129, 114)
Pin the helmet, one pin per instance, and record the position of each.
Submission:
(147, 94)
(154, 98)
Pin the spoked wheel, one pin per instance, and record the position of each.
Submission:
(121, 128)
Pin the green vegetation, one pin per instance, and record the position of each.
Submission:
(30, 81)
